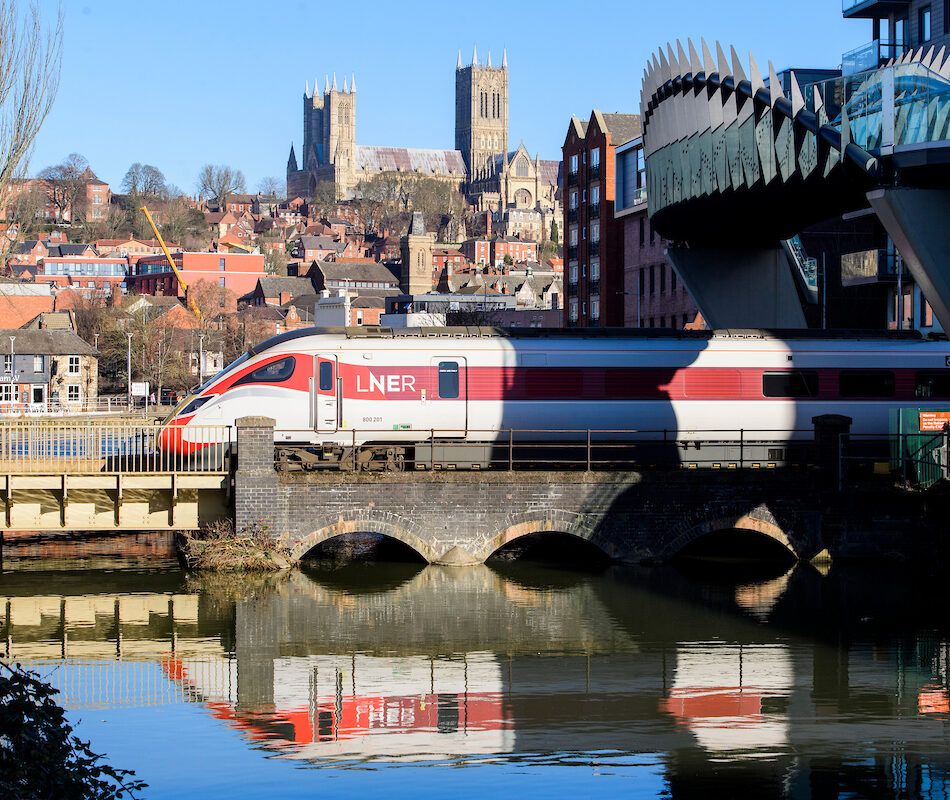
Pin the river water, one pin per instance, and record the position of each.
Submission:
(523, 680)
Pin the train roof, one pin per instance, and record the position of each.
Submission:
(486, 332)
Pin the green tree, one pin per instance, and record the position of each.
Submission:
(39, 756)
(554, 232)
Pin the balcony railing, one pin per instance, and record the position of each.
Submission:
(572, 215)
(572, 178)
(593, 172)
(868, 266)
(593, 210)
(571, 252)
(870, 56)
(872, 8)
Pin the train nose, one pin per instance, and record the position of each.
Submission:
(171, 439)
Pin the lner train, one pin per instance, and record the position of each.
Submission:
(394, 392)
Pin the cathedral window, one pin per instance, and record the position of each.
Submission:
(521, 167)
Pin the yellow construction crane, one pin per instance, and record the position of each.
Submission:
(171, 262)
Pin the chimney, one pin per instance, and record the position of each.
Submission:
(488, 224)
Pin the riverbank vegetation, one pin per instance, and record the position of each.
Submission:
(219, 548)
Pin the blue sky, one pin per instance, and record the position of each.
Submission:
(181, 83)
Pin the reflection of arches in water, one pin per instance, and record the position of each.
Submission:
(544, 535)
(745, 537)
(357, 522)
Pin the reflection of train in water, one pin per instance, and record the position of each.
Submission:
(368, 706)
(388, 391)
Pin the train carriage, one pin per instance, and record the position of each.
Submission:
(385, 392)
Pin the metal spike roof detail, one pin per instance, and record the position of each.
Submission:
(737, 71)
(798, 99)
(694, 61)
(755, 75)
(709, 63)
(775, 85)
(722, 62)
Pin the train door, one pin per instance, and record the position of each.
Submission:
(326, 394)
(449, 414)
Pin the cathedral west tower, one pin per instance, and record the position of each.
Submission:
(481, 120)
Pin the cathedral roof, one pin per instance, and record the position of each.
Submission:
(408, 159)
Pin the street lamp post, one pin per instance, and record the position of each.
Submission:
(15, 391)
(128, 363)
(201, 358)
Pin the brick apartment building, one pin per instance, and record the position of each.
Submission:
(238, 272)
(90, 276)
(593, 237)
(653, 295)
(492, 251)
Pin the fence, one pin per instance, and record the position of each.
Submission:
(82, 447)
(601, 450)
(112, 404)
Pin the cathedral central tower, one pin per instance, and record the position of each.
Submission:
(481, 117)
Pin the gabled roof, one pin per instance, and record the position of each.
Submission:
(47, 342)
(355, 271)
(275, 286)
(621, 127)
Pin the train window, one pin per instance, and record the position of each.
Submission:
(193, 406)
(326, 376)
(796, 383)
(932, 383)
(448, 379)
(866, 383)
(276, 371)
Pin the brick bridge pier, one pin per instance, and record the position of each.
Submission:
(459, 518)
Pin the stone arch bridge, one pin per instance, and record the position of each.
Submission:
(460, 518)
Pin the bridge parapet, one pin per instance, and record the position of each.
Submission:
(458, 518)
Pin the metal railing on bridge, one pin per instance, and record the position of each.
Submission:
(43, 447)
(619, 449)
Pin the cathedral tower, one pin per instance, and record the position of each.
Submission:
(481, 116)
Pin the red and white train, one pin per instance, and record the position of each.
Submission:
(332, 388)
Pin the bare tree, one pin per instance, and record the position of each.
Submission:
(65, 185)
(26, 208)
(30, 59)
(216, 182)
(271, 186)
(144, 180)
(324, 198)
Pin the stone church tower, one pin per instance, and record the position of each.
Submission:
(416, 247)
(329, 140)
(481, 119)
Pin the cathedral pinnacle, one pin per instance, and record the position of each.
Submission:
(489, 59)
(326, 84)
(346, 85)
(474, 56)
(353, 82)
(334, 82)
(504, 58)
(458, 64)
(306, 91)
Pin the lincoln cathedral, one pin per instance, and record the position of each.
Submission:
(492, 176)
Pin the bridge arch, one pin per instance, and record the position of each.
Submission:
(530, 523)
(365, 521)
(746, 522)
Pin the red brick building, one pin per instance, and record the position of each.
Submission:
(492, 252)
(593, 238)
(238, 272)
(444, 257)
